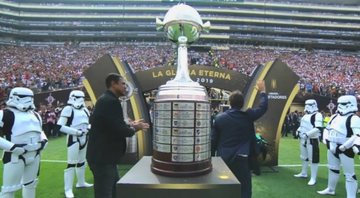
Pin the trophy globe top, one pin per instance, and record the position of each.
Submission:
(182, 20)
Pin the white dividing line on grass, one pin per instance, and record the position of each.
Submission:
(281, 165)
(298, 165)
(54, 161)
(51, 161)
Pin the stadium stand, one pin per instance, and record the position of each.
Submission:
(46, 44)
(233, 22)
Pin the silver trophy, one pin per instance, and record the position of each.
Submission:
(181, 138)
(131, 142)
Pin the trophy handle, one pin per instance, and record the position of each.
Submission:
(129, 91)
(131, 142)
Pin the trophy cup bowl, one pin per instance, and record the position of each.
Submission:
(181, 139)
(182, 20)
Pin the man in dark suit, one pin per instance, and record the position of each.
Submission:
(107, 140)
(233, 134)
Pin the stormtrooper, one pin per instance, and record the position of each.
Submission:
(309, 131)
(22, 142)
(74, 121)
(340, 136)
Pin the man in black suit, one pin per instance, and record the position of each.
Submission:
(107, 140)
(233, 136)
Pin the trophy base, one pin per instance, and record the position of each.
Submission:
(140, 182)
(181, 170)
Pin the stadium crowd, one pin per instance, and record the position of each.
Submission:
(51, 68)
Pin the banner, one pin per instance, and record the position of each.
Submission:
(53, 98)
(207, 76)
(281, 87)
(94, 83)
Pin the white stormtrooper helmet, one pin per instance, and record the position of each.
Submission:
(346, 104)
(21, 98)
(311, 106)
(77, 99)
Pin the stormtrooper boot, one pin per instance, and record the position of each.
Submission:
(314, 170)
(351, 187)
(7, 194)
(68, 182)
(80, 173)
(332, 181)
(303, 173)
(28, 191)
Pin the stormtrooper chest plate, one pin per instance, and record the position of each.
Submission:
(338, 127)
(306, 124)
(81, 117)
(25, 122)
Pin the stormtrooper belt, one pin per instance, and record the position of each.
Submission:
(32, 147)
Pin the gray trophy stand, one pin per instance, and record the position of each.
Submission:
(140, 182)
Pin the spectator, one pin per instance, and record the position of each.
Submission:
(327, 73)
(50, 117)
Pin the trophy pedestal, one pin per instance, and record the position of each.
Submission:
(140, 182)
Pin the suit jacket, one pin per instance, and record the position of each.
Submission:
(107, 136)
(233, 131)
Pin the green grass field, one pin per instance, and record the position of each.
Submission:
(268, 185)
(283, 184)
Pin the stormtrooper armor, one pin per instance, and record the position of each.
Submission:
(340, 136)
(347, 104)
(74, 121)
(21, 98)
(309, 132)
(76, 99)
(24, 140)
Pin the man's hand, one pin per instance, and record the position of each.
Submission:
(85, 131)
(333, 149)
(18, 149)
(43, 143)
(260, 85)
(342, 148)
(139, 124)
(356, 150)
(325, 136)
(303, 136)
(80, 133)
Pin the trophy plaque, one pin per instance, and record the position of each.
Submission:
(181, 138)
